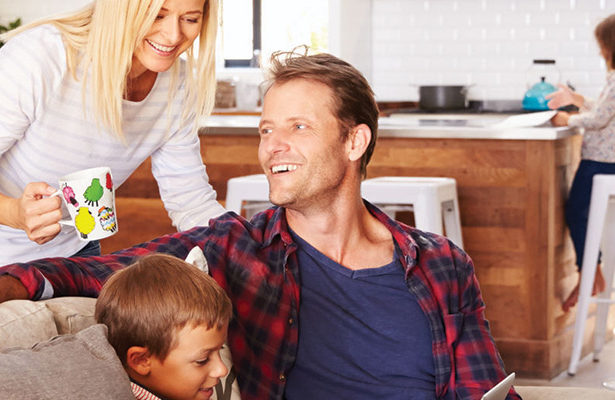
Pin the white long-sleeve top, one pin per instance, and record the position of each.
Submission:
(46, 132)
(598, 120)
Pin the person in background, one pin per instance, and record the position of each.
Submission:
(597, 118)
(331, 297)
(164, 323)
(103, 86)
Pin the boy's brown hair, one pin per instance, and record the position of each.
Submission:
(353, 98)
(147, 303)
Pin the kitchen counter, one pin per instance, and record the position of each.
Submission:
(442, 126)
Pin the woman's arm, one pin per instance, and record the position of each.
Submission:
(29, 69)
(565, 96)
(183, 182)
(602, 112)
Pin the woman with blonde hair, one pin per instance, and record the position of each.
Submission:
(104, 86)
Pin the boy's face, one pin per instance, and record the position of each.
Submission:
(193, 367)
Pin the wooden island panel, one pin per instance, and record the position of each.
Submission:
(511, 198)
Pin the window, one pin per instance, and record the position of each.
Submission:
(257, 28)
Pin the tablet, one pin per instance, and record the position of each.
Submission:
(499, 391)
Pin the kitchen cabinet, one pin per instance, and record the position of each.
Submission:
(512, 186)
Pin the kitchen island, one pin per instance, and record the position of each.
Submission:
(511, 183)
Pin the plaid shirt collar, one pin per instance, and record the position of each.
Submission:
(278, 226)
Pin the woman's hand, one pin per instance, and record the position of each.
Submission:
(34, 213)
(560, 119)
(564, 96)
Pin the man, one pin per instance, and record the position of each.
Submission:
(386, 311)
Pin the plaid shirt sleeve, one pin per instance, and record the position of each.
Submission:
(84, 276)
(442, 277)
(478, 365)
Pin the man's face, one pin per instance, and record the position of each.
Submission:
(300, 148)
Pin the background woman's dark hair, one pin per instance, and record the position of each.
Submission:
(605, 35)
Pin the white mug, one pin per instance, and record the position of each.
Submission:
(89, 196)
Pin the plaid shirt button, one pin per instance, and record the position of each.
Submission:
(282, 378)
(291, 321)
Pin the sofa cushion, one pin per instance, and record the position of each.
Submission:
(72, 314)
(77, 366)
(24, 323)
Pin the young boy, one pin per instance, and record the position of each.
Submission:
(166, 321)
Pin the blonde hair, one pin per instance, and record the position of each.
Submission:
(148, 302)
(101, 39)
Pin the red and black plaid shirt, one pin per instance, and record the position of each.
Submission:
(256, 263)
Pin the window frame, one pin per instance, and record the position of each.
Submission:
(256, 38)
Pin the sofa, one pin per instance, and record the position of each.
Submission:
(24, 323)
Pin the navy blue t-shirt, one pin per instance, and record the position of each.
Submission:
(362, 334)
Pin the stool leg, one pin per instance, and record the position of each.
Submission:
(233, 200)
(452, 224)
(597, 214)
(608, 261)
(428, 216)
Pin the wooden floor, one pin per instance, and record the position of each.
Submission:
(139, 220)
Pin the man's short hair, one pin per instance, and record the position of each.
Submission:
(353, 98)
(148, 302)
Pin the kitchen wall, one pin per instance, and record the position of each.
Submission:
(399, 44)
(489, 43)
(29, 10)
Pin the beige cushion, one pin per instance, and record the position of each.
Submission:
(24, 323)
(563, 393)
(72, 314)
(67, 367)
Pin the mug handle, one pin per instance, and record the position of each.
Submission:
(67, 222)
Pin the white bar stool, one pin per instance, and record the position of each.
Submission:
(251, 189)
(600, 235)
(431, 198)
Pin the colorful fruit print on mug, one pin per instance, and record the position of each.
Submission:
(90, 199)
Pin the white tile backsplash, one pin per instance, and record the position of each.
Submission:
(488, 43)
(401, 43)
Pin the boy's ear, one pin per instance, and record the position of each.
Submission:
(358, 141)
(138, 359)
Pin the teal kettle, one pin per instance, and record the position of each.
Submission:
(538, 76)
(534, 99)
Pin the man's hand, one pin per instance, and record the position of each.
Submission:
(11, 289)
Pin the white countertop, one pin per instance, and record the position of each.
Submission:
(449, 126)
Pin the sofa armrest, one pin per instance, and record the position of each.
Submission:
(24, 323)
(72, 314)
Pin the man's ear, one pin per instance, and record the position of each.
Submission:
(138, 359)
(359, 139)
